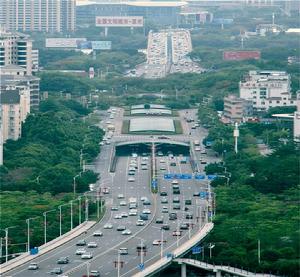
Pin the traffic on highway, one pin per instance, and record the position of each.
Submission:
(139, 227)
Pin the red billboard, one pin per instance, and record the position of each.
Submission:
(240, 55)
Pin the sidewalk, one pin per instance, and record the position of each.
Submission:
(26, 257)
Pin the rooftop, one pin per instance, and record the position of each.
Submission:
(144, 124)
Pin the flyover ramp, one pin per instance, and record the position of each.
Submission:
(162, 263)
(221, 268)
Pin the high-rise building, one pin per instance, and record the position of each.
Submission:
(14, 107)
(13, 77)
(267, 89)
(38, 15)
(236, 109)
(16, 49)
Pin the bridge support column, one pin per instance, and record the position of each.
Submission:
(183, 270)
(218, 273)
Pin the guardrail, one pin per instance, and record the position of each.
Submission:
(160, 264)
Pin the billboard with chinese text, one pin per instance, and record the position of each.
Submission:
(119, 21)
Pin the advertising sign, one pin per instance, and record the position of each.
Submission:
(240, 55)
(63, 42)
(101, 45)
(119, 21)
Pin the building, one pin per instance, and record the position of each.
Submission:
(38, 15)
(267, 89)
(35, 60)
(14, 109)
(13, 77)
(156, 12)
(195, 17)
(297, 120)
(16, 49)
(236, 109)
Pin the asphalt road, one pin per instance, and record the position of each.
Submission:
(106, 253)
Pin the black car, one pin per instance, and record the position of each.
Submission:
(140, 247)
(81, 243)
(165, 227)
(188, 202)
(163, 193)
(63, 260)
(176, 191)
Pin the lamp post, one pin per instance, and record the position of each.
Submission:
(28, 231)
(60, 218)
(6, 242)
(45, 224)
(86, 208)
(71, 215)
(74, 185)
(79, 209)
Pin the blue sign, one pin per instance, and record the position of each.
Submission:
(169, 255)
(203, 194)
(186, 176)
(211, 177)
(196, 250)
(168, 176)
(101, 45)
(34, 251)
(154, 183)
(199, 177)
(141, 266)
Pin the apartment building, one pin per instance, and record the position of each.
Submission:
(38, 15)
(267, 89)
(16, 49)
(236, 109)
(14, 77)
(15, 106)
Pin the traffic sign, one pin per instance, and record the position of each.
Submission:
(203, 194)
(186, 176)
(199, 177)
(169, 255)
(168, 176)
(154, 183)
(141, 266)
(34, 251)
(196, 250)
(211, 177)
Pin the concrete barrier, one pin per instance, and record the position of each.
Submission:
(177, 252)
(26, 257)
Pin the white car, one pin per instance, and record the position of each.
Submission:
(144, 198)
(123, 203)
(145, 158)
(131, 179)
(162, 161)
(101, 143)
(156, 242)
(134, 155)
(117, 216)
(132, 212)
(80, 251)
(144, 167)
(124, 214)
(120, 196)
(197, 148)
(87, 255)
(33, 266)
(126, 232)
(146, 211)
(108, 226)
(92, 244)
(140, 222)
(97, 234)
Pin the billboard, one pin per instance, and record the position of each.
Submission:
(240, 55)
(63, 42)
(101, 45)
(119, 21)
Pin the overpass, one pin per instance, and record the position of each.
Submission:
(218, 269)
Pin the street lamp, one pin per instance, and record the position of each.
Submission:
(45, 224)
(6, 242)
(74, 184)
(71, 206)
(28, 231)
(79, 209)
(60, 218)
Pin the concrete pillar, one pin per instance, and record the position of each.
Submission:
(183, 270)
(218, 273)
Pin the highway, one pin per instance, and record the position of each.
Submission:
(105, 255)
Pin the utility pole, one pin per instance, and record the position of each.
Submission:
(236, 134)
(258, 251)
